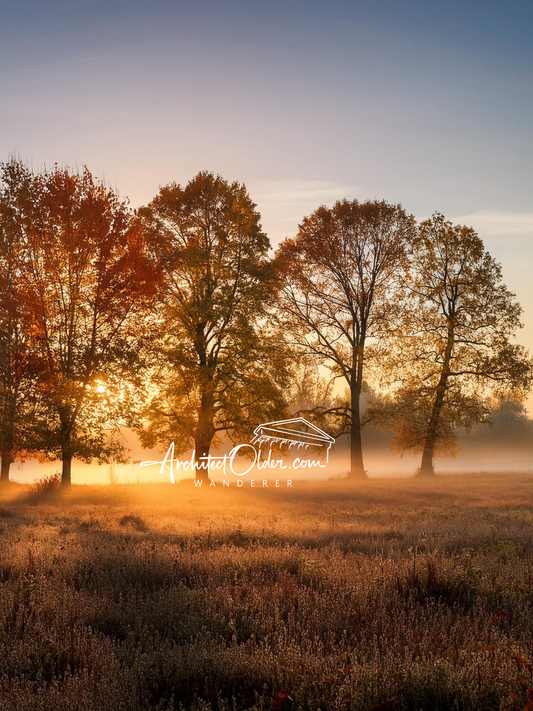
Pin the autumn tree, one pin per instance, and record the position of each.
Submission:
(220, 363)
(340, 298)
(18, 362)
(456, 350)
(87, 280)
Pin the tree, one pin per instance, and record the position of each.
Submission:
(340, 300)
(509, 413)
(309, 388)
(221, 364)
(87, 281)
(456, 350)
(18, 363)
(508, 425)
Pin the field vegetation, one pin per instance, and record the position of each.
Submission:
(407, 594)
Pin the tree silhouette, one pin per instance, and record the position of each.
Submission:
(220, 363)
(18, 361)
(456, 350)
(340, 299)
(87, 280)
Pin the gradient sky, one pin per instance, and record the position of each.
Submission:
(424, 103)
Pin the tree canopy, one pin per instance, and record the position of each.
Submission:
(18, 360)
(456, 347)
(220, 364)
(340, 299)
(85, 277)
(177, 320)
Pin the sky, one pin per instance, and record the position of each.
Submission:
(424, 103)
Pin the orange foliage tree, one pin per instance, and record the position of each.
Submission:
(18, 362)
(87, 281)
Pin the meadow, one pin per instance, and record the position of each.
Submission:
(400, 594)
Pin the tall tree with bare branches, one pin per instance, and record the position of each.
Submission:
(340, 298)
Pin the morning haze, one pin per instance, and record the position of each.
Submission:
(264, 429)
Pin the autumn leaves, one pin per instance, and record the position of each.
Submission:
(418, 311)
(176, 321)
(77, 283)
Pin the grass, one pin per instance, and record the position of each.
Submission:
(397, 594)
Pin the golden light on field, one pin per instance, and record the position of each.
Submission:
(374, 593)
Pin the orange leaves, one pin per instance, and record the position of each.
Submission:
(85, 281)
(501, 614)
(524, 665)
(283, 701)
(529, 704)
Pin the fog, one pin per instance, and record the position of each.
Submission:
(489, 450)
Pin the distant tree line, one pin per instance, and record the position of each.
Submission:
(177, 321)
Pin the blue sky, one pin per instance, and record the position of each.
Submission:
(427, 103)
(424, 103)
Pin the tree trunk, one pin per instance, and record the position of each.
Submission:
(201, 451)
(6, 451)
(6, 464)
(205, 428)
(66, 459)
(205, 431)
(426, 466)
(357, 470)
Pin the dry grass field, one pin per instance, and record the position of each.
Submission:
(388, 594)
